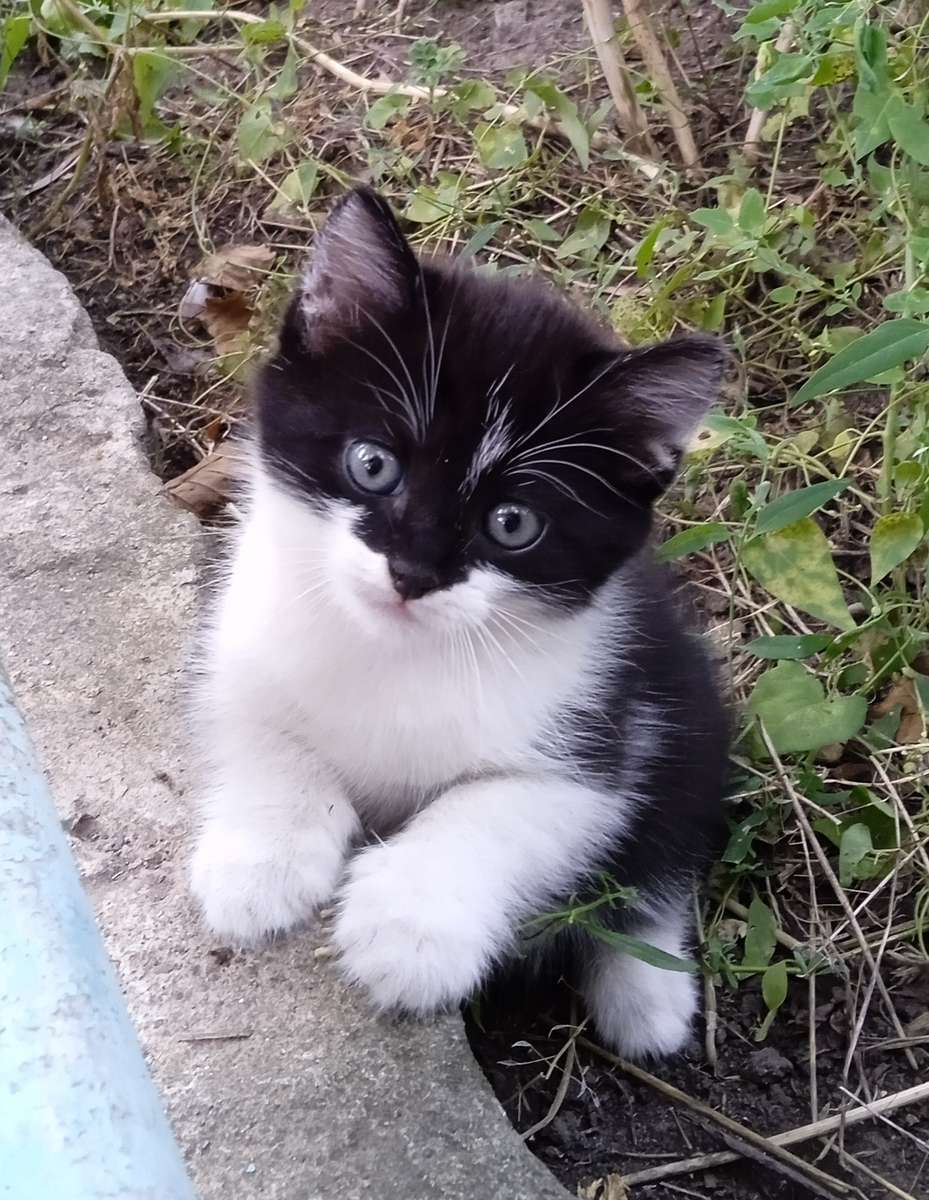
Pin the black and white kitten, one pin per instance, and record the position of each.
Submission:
(442, 630)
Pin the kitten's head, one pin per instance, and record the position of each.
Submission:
(459, 446)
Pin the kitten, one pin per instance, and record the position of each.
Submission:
(442, 628)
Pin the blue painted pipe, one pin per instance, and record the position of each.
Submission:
(80, 1118)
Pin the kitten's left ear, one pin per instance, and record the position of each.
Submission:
(361, 267)
(670, 386)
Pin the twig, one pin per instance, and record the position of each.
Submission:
(826, 866)
(791, 1137)
(752, 145)
(632, 119)
(749, 1142)
(857, 1165)
(641, 28)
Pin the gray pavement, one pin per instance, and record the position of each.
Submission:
(278, 1081)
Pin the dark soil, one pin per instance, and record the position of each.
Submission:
(127, 243)
(612, 1124)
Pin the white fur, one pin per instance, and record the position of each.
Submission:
(643, 1011)
(327, 702)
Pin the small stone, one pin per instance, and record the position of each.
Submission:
(768, 1064)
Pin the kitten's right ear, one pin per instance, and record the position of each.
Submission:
(361, 268)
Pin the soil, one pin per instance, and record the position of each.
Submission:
(127, 243)
(611, 1124)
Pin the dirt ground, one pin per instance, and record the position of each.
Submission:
(127, 242)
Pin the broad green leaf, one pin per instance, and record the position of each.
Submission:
(259, 137)
(467, 96)
(716, 220)
(500, 147)
(752, 212)
(767, 9)
(151, 74)
(636, 948)
(15, 35)
(742, 837)
(893, 539)
(796, 714)
(383, 110)
(795, 565)
(909, 129)
(783, 295)
(428, 204)
(760, 938)
(791, 507)
(263, 33)
(774, 993)
(589, 236)
(855, 845)
(480, 238)
(788, 645)
(890, 345)
(688, 541)
(783, 79)
(298, 187)
(285, 85)
(542, 231)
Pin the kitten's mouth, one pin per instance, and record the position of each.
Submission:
(390, 604)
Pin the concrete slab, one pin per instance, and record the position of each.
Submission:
(278, 1081)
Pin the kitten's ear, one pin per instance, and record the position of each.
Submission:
(669, 387)
(361, 268)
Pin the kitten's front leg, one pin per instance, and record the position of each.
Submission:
(276, 824)
(424, 916)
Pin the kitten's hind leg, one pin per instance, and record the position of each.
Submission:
(642, 1011)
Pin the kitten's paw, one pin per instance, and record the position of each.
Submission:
(250, 885)
(642, 1012)
(408, 942)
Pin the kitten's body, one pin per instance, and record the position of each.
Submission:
(508, 736)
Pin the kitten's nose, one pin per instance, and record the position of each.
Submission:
(412, 580)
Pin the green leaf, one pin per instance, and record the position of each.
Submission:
(789, 645)
(383, 110)
(909, 129)
(688, 541)
(774, 993)
(589, 236)
(783, 295)
(752, 212)
(428, 204)
(151, 74)
(893, 539)
(854, 847)
(263, 33)
(795, 565)
(258, 136)
(742, 838)
(298, 187)
(480, 238)
(542, 231)
(15, 35)
(890, 345)
(716, 220)
(645, 251)
(285, 85)
(467, 96)
(500, 147)
(783, 79)
(793, 505)
(796, 714)
(768, 9)
(760, 935)
(636, 948)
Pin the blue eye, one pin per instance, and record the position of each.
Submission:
(373, 468)
(514, 526)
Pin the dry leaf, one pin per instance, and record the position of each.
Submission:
(227, 319)
(610, 1187)
(902, 694)
(238, 268)
(209, 483)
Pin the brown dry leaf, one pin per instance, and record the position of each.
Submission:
(209, 483)
(902, 694)
(227, 319)
(238, 268)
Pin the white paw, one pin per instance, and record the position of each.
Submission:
(407, 940)
(641, 1011)
(251, 884)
